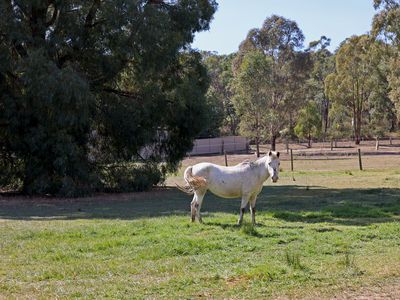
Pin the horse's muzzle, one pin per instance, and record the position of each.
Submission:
(274, 179)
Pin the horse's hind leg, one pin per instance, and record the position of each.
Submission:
(193, 207)
(199, 200)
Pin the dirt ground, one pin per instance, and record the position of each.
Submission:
(376, 292)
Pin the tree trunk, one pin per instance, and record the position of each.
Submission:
(309, 140)
(326, 117)
(257, 147)
(287, 145)
(273, 142)
(357, 128)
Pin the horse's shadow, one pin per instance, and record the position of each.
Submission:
(245, 228)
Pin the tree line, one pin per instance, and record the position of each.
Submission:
(274, 86)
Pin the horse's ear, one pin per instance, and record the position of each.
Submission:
(269, 153)
(277, 154)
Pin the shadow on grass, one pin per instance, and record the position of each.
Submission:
(289, 203)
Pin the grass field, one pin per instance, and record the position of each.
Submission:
(332, 230)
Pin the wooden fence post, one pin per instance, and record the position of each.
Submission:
(377, 143)
(287, 146)
(359, 159)
(226, 159)
(291, 159)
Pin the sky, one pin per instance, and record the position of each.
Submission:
(336, 19)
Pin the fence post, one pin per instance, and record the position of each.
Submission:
(377, 143)
(359, 159)
(390, 140)
(331, 145)
(226, 158)
(291, 159)
(287, 146)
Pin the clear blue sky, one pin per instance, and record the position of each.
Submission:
(336, 19)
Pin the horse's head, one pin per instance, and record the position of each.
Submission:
(273, 165)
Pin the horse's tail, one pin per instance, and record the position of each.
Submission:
(192, 182)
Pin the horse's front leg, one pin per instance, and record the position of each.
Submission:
(245, 200)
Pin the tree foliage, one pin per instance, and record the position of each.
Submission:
(84, 84)
(281, 40)
(220, 71)
(253, 99)
(323, 64)
(308, 123)
(354, 81)
(386, 26)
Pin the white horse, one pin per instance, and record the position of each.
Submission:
(244, 180)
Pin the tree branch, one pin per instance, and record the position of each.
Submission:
(92, 14)
(155, 2)
(120, 93)
(54, 16)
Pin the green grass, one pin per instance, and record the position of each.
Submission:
(310, 240)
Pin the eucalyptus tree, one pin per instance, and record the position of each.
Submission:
(281, 40)
(87, 83)
(386, 26)
(323, 64)
(340, 119)
(308, 123)
(219, 68)
(252, 98)
(354, 80)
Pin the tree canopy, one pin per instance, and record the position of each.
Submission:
(281, 40)
(354, 81)
(253, 99)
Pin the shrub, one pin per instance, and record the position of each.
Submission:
(130, 177)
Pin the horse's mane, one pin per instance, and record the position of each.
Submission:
(253, 163)
(247, 162)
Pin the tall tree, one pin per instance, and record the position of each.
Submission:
(220, 71)
(352, 84)
(88, 83)
(253, 99)
(281, 40)
(323, 64)
(386, 26)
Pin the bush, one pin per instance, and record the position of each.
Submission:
(130, 177)
(11, 171)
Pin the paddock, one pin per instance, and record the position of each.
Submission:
(333, 232)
